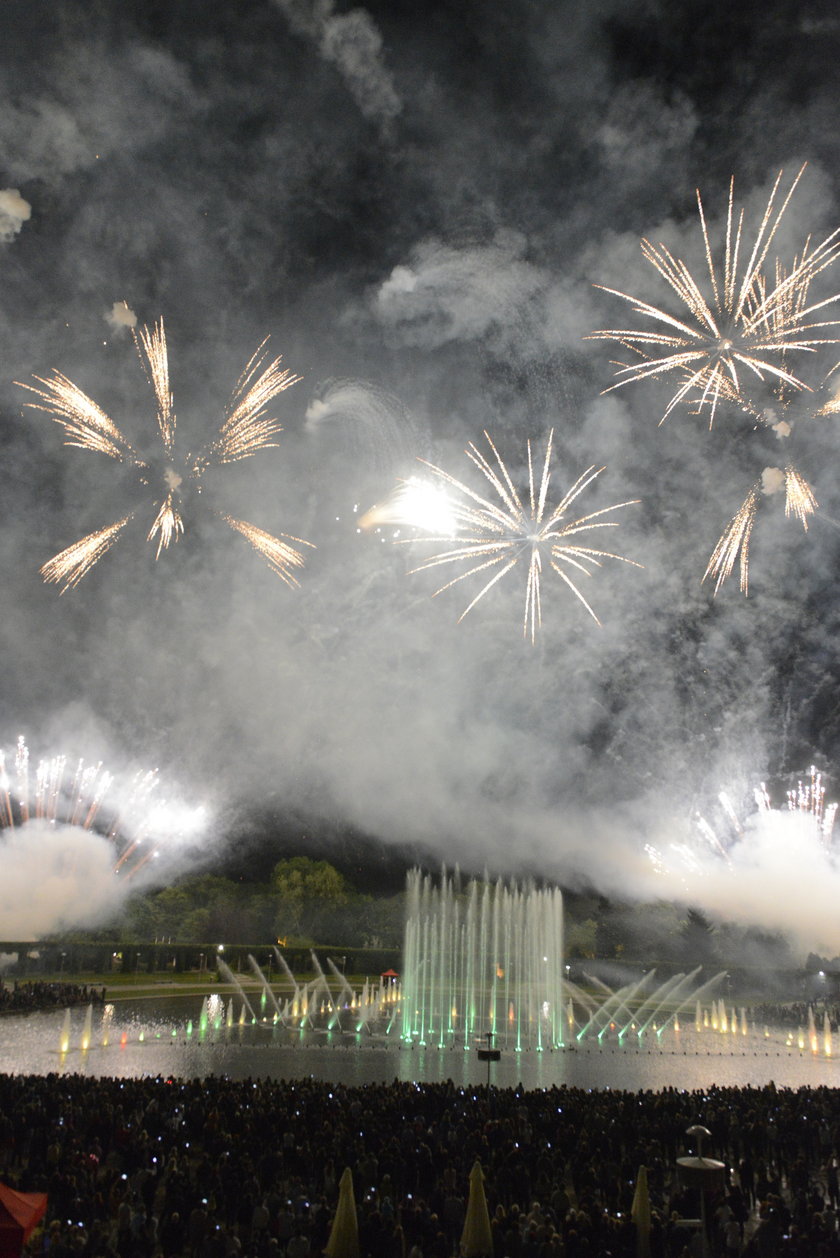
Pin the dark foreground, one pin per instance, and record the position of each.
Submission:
(214, 1169)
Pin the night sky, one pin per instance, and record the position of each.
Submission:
(414, 202)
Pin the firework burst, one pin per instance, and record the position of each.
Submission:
(245, 431)
(493, 536)
(743, 324)
(132, 817)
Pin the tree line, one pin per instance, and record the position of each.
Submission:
(306, 902)
(302, 903)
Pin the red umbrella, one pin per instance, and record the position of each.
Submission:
(19, 1213)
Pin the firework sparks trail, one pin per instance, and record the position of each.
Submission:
(494, 536)
(799, 497)
(245, 431)
(246, 428)
(741, 323)
(140, 822)
(735, 541)
(279, 556)
(168, 525)
(151, 346)
(84, 422)
(800, 502)
(74, 563)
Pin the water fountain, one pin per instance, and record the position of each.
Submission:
(87, 1029)
(488, 960)
(267, 993)
(228, 975)
(483, 968)
(64, 1041)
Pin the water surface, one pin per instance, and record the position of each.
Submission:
(165, 1036)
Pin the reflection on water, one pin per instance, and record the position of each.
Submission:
(175, 1036)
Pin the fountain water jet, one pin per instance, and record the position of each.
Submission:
(87, 1029)
(486, 961)
(266, 988)
(228, 975)
(64, 1040)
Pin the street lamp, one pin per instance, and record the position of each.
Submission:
(702, 1173)
(489, 1054)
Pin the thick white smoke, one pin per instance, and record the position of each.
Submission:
(446, 293)
(56, 877)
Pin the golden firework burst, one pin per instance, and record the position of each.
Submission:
(493, 536)
(247, 428)
(739, 322)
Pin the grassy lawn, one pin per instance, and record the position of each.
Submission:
(187, 983)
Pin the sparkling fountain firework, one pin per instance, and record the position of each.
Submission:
(717, 835)
(494, 536)
(59, 792)
(245, 431)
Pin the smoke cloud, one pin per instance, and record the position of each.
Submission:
(352, 42)
(55, 878)
(415, 205)
(121, 316)
(14, 212)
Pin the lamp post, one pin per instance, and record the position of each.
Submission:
(489, 1054)
(702, 1173)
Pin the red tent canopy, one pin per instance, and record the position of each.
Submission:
(19, 1212)
(389, 974)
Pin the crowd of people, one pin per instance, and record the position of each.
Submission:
(216, 1168)
(796, 1013)
(27, 997)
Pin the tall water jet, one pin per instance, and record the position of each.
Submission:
(64, 1038)
(488, 960)
(266, 988)
(87, 1029)
(294, 1000)
(228, 975)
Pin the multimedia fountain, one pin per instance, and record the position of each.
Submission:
(483, 977)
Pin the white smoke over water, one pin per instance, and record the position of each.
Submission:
(55, 877)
